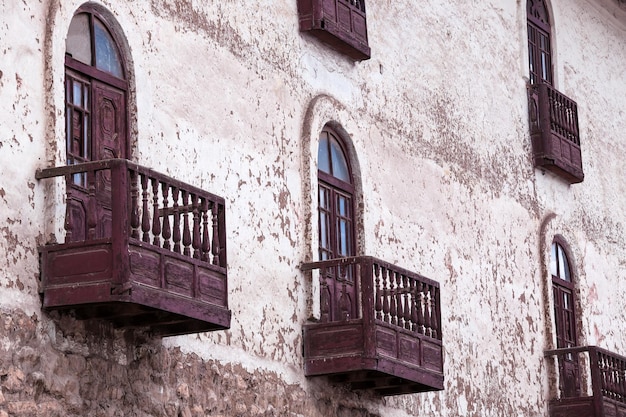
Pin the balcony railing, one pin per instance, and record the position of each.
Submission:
(591, 382)
(393, 345)
(141, 249)
(554, 132)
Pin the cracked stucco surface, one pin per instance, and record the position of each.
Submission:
(230, 97)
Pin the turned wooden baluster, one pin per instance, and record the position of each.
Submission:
(186, 232)
(611, 368)
(345, 305)
(156, 221)
(176, 210)
(91, 208)
(393, 305)
(420, 302)
(385, 289)
(427, 310)
(414, 304)
(167, 232)
(134, 205)
(378, 303)
(196, 241)
(206, 245)
(145, 213)
(434, 318)
(408, 295)
(216, 250)
(69, 219)
(399, 300)
(324, 297)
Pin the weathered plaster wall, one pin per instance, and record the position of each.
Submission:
(231, 98)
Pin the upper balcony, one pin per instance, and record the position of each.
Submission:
(141, 250)
(591, 383)
(554, 132)
(393, 346)
(342, 24)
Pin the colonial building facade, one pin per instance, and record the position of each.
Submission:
(312, 208)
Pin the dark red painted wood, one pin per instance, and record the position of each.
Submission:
(389, 349)
(608, 385)
(554, 132)
(135, 276)
(342, 24)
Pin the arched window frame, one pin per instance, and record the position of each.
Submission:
(539, 42)
(96, 117)
(564, 294)
(84, 72)
(330, 189)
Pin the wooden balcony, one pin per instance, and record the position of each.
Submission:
(342, 24)
(591, 383)
(142, 250)
(554, 132)
(393, 346)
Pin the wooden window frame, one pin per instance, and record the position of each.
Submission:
(539, 43)
(565, 320)
(337, 187)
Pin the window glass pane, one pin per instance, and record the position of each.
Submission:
(339, 163)
(561, 262)
(553, 269)
(68, 130)
(77, 93)
(324, 223)
(342, 206)
(323, 163)
(107, 57)
(86, 141)
(78, 41)
(342, 237)
(565, 267)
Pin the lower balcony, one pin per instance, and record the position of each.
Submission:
(392, 345)
(591, 383)
(142, 250)
(554, 133)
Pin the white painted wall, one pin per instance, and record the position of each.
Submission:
(438, 121)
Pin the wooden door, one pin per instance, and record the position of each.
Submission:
(109, 141)
(96, 130)
(338, 291)
(569, 368)
(565, 321)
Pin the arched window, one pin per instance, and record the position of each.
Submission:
(336, 226)
(335, 198)
(539, 49)
(95, 113)
(565, 318)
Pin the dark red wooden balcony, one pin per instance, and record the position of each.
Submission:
(342, 24)
(591, 383)
(142, 250)
(554, 132)
(394, 345)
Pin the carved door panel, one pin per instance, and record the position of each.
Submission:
(109, 141)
